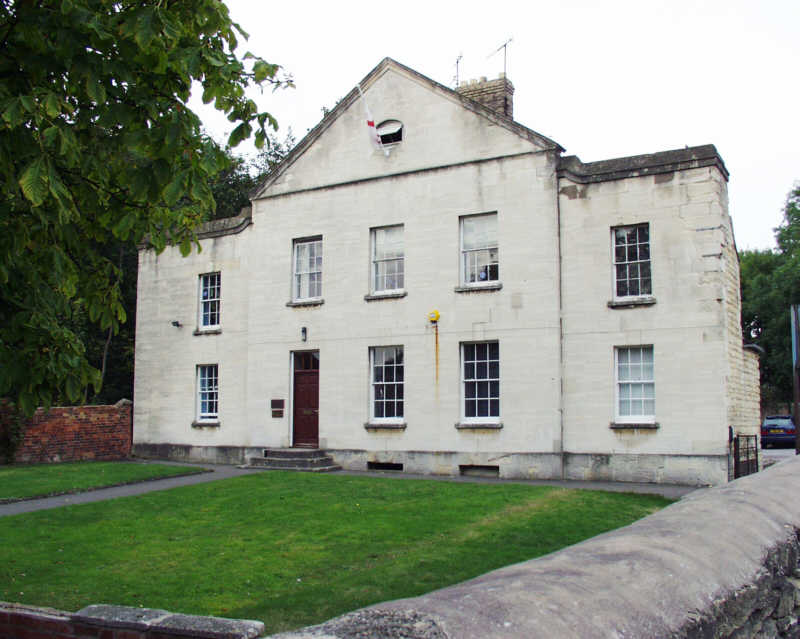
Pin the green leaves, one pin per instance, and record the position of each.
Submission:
(52, 105)
(176, 188)
(98, 149)
(27, 103)
(235, 180)
(788, 233)
(95, 90)
(770, 284)
(62, 195)
(34, 182)
(263, 70)
(13, 112)
(241, 132)
(146, 28)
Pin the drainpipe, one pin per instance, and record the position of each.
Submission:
(556, 159)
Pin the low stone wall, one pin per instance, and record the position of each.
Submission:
(76, 433)
(200, 454)
(721, 563)
(118, 622)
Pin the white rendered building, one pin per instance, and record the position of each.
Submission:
(465, 298)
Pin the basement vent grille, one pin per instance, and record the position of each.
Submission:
(385, 466)
(479, 471)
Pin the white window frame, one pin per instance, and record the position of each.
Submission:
(397, 385)
(642, 380)
(204, 286)
(306, 271)
(466, 269)
(207, 372)
(474, 379)
(627, 263)
(377, 262)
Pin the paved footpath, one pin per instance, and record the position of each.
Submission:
(220, 471)
(128, 490)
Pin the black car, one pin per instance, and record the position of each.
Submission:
(778, 429)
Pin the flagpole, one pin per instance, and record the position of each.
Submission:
(371, 130)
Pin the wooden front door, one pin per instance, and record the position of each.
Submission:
(306, 399)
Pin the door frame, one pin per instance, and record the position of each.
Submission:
(292, 354)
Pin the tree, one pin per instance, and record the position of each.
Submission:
(233, 186)
(788, 233)
(765, 320)
(98, 147)
(271, 155)
(113, 353)
(770, 284)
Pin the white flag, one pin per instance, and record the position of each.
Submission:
(372, 132)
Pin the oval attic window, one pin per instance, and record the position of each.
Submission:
(390, 131)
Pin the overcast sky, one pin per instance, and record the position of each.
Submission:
(603, 79)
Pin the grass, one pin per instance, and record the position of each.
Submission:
(292, 549)
(25, 482)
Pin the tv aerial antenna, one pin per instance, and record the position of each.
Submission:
(504, 47)
(458, 60)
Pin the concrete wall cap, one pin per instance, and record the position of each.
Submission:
(161, 621)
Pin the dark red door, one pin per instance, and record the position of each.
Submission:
(306, 399)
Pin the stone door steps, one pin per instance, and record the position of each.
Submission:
(304, 459)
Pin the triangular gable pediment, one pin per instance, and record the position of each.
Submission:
(440, 128)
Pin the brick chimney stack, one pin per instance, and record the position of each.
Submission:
(497, 94)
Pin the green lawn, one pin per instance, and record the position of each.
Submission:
(23, 482)
(289, 548)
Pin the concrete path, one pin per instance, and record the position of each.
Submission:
(774, 455)
(218, 472)
(226, 472)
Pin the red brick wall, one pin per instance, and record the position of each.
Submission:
(73, 433)
(43, 623)
(20, 621)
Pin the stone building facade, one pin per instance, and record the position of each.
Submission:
(463, 299)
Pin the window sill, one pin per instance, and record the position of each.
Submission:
(387, 426)
(207, 331)
(318, 301)
(479, 425)
(479, 288)
(372, 297)
(632, 302)
(204, 424)
(641, 426)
